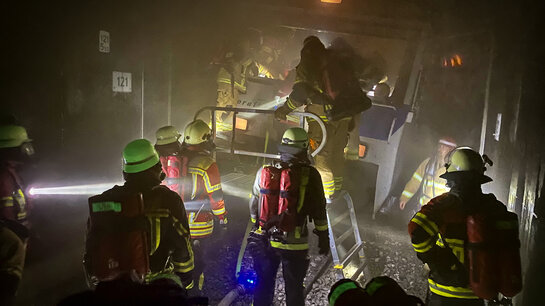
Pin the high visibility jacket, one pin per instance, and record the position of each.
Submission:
(170, 246)
(426, 175)
(316, 89)
(205, 195)
(312, 85)
(232, 76)
(13, 203)
(313, 206)
(439, 237)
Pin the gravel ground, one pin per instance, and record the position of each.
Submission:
(388, 252)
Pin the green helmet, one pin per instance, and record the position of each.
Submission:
(465, 160)
(197, 132)
(12, 136)
(296, 137)
(139, 155)
(166, 135)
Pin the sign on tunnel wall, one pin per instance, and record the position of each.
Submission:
(104, 42)
(122, 81)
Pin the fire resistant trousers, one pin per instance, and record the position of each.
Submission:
(437, 300)
(330, 161)
(226, 97)
(294, 268)
(200, 250)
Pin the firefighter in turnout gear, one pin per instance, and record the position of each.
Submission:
(440, 231)
(308, 90)
(285, 196)
(231, 82)
(426, 182)
(15, 150)
(193, 173)
(167, 245)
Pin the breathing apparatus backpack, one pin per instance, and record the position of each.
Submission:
(179, 180)
(282, 192)
(175, 168)
(346, 98)
(117, 239)
(493, 255)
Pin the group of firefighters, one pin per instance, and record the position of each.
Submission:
(172, 197)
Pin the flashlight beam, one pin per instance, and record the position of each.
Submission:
(88, 189)
(92, 189)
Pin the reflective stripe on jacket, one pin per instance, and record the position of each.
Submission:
(205, 189)
(313, 206)
(439, 234)
(170, 246)
(13, 202)
(427, 176)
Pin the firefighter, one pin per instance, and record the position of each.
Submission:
(235, 66)
(308, 90)
(439, 232)
(12, 259)
(282, 237)
(346, 292)
(15, 150)
(426, 180)
(201, 189)
(169, 149)
(171, 255)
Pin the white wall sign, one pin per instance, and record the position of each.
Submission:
(121, 81)
(104, 42)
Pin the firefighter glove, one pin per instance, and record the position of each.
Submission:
(323, 241)
(281, 112)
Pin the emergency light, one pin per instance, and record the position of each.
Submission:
(248, 280)
(362, 150)
(241, 124)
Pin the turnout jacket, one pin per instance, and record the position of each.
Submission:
(13, 202)
(439, 237)
(313, 207)
(170, 247)
(206, 193)
(426, 177)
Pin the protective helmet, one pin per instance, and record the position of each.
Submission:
(12, 136)
(347, 292)
(139, 155)
(197, 132)
(166, 135)
(385, 291)
(465, 160)
(295, 137)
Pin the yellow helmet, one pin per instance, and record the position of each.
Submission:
(166, 135)
(296, 137)
(197, 132)
(465, 160)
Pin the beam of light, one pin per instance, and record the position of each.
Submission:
(88, 189)
(268, 105)
(92, 189)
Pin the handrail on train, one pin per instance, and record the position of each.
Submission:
(237, 110)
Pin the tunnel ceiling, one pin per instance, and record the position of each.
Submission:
(392, 19)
